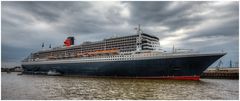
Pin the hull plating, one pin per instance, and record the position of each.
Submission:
(152, 68)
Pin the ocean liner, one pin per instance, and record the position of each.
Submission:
(133, 56)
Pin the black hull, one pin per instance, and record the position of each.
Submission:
(167, 67)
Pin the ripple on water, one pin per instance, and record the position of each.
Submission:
(77, 88)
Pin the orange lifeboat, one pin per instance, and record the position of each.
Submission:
(98, 52)
(111, 51)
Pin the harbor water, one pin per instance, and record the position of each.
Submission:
(34, 87)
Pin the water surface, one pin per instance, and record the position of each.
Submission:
(42, 87)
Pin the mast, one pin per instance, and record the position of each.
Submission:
(138, 29)
(173, 49)
(230, 64)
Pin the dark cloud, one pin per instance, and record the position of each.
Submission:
(204, 26)
(48, 11)
(165, 13)
(228, 29)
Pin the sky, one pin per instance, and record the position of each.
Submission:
(203, 26)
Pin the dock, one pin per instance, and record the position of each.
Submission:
(12, 69)
(221, 73)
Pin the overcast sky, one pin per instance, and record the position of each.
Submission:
(202, 26)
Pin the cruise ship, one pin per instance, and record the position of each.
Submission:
(133, 56)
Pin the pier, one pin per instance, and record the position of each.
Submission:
(221, 73)
(12, 69)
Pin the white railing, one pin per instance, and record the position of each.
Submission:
(127, 57)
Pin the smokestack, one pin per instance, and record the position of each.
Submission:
(71, 40)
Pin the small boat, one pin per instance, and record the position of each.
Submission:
(53, 73)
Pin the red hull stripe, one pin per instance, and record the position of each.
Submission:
(174, 77)
(196, 78)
